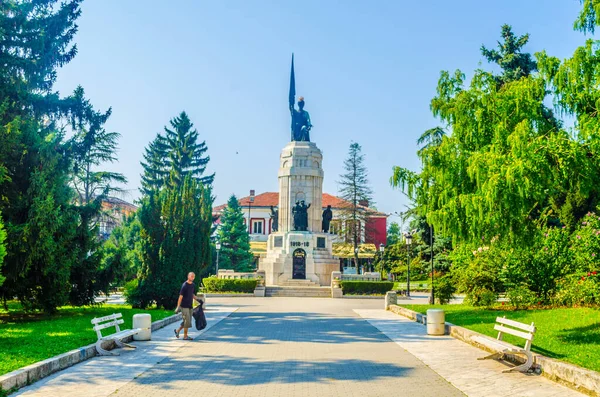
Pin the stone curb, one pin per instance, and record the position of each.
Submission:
(580, 379)
(363, 297)
(214, 295)
(34, 372)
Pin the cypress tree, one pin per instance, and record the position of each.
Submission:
(235, 242)
(175, 235)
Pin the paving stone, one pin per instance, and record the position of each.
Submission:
(457, 361)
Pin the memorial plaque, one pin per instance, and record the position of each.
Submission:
(278, 242)
(320, 242)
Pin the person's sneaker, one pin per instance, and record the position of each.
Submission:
(176, 333)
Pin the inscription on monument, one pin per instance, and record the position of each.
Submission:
(300, 243)
(278, 242)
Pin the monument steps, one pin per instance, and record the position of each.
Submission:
(307, 292)
(300, 283)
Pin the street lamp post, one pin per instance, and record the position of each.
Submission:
(408, 238)
(381, 250)
(218, 247)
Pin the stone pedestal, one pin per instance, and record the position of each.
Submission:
(300, 178)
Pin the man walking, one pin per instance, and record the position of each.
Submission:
(185, 304)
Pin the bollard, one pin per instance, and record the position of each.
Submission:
(436, 322)
(390, 299)
(143, 321)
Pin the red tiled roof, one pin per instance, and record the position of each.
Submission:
(272, 199)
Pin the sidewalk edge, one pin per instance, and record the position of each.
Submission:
(577, 378)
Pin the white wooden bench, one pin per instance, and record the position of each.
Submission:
(112, 321)
(501, 348)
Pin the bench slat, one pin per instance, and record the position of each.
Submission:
(520, 334)
(106, 318)
(516, 324)
(108, 325)
(123, 334)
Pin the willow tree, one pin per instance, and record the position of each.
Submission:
(506, 158)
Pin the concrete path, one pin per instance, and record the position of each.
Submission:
(457, 362)
(292, 347)
(296, 347)
(101, 376)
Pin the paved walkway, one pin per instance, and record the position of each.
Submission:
(457, 361)
(101, 376)
(296, 347)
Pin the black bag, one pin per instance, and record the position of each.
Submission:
(199, 317)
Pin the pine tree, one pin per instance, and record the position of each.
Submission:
(186, 156)
(235, 242)
(171, 157)
(393, 234)
(354, 189)
(154, 176)
(514, 63)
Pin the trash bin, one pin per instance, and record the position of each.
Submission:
(143, 321)
(436, 322)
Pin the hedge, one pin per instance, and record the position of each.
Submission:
(213, 284)
(366, 287)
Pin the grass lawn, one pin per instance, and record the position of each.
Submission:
(567, 334)
(28, 338)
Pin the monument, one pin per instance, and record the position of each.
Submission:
(299, 249)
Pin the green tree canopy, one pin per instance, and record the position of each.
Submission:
(175, 237)
(232, 233)
(173, 156)
(506, 166)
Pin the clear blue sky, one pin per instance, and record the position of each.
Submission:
(368, 70)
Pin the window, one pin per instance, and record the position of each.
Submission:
(257, 227)
(335, 227)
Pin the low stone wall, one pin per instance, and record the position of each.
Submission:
(34, 372)
(581, 379)
(230, 274)
(368, 276)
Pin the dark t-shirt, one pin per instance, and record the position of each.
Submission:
(187, 291)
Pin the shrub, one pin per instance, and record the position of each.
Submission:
(366, 287)
(214, 284)
(479, 274)
(444, 289)
(132, 294)
(481, 296)
(520, 296)
(579, 289)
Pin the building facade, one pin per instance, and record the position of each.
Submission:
(257, 216)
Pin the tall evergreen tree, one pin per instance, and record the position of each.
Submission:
(91, 147)
(35, 197)
(235, 242)
(394, 234)
(154, 176)
(175, 232)
(171, 157)
(355, 190)
(509, 56)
